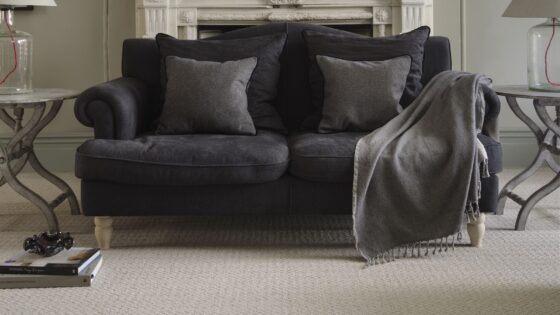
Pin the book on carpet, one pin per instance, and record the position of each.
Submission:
(67, 262)
(83, 279)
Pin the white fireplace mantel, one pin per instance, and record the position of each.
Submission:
(182, 18)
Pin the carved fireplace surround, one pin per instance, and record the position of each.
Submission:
(186, 18)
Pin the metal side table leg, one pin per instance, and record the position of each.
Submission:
(507, 191)
(548, 141)
(16, 149)
(551, 145)
(19, 150)
(16, 164)
(541, 157)
(532, 201)
(34, 198)
(67, 193)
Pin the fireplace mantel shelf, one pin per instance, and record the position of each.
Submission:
(183, 18)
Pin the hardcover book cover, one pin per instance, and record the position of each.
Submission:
(67, 262)
(84, 279)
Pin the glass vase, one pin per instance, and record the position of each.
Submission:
(15, 56)
(544, 56)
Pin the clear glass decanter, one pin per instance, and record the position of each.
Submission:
(15, 56)
(544, 56)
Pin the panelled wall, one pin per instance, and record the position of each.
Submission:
(78, 44)
(485, 42)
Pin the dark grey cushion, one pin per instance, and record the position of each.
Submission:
(330, 157)
(197, 159)
(263, 84)
(207, 97)
(362, 48)
(324, 157)
(361, 95)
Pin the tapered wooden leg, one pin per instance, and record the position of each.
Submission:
(103, 231)
(476, 229)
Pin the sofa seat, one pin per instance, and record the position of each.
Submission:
(198, 159)
(330, 157)
(324, 157)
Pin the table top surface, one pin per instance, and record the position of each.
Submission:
(523, 91)
(38, 96)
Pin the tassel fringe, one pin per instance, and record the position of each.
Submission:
(424, 248)
(417, 249)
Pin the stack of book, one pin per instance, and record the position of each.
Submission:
(76, 267)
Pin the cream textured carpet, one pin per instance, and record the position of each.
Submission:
(290, 265)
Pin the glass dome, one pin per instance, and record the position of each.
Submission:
(544, 56)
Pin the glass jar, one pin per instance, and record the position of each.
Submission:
(15, 56)
(544, 56)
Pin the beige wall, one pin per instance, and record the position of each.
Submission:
(495, 46)
(72, 50)
(447, 22)
(121, 26)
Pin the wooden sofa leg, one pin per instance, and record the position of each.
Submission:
(103, 231)
(476, 229)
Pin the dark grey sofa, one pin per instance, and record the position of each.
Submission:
(127, 170)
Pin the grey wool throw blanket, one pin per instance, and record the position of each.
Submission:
(418, 176)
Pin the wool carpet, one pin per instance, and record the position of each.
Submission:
(290, 265)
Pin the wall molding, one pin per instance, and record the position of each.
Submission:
(56, 151)
(463, 21)
(519, 147)
(106, 39)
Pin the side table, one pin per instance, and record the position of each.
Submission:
(548, 140)
(19, 150)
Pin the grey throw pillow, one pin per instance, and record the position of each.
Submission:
(263, 86)
(361, 95)
(363, 48)
(207, 97)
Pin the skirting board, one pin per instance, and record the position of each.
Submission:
(56, 152)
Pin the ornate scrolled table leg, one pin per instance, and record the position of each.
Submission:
(19, 151)
(67, 192)
(549, 146)
(541, 157)
(16, 164)
(18, 148)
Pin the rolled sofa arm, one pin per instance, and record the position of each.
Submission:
(117, 109)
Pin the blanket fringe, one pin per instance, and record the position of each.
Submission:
(417, 249)
(429, 247)
(485, 171)
(472, 212)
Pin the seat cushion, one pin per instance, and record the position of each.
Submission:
(324, 157)
(199, 159)
(330, 157)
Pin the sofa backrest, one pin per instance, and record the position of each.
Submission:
(141, 60)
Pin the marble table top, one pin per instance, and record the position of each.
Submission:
(523, 91)
(38, 96)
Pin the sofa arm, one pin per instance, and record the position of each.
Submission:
(117, 109)
(492, 111)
